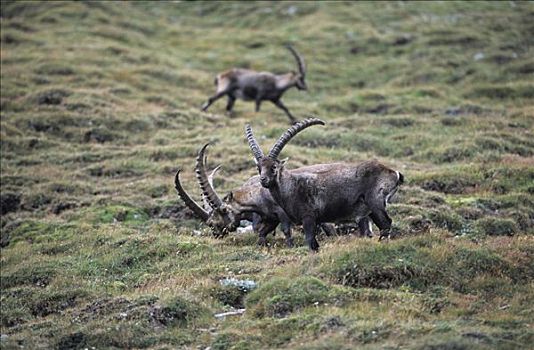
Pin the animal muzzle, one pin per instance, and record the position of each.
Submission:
(264, 181)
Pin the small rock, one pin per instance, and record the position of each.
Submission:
(479, 56)
(223, 315)
(291, 10)
(243, 230)
(244, 285)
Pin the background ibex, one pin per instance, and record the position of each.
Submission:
(251, 202)
(341, 192)
(250, 85)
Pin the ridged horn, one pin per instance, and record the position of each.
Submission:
(300, 61)
(207, 190)
(195, 208)
(212, 175)
(205, 201)
(253, 144)
(290, 133)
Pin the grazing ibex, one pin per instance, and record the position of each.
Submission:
(340, 193)
(250, 201)
(250, 85)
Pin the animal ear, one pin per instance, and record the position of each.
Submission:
(284, 161)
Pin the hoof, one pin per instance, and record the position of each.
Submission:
(314, 246)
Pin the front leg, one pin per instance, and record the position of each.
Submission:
(258, 104)
(213, 99)
(286, 229)
(309, 224)
(264, 229)
(279, 104)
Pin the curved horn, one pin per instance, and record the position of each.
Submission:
(188, 200)
(253, 144)
(300, 60)
(212, 175)
(207, 190)
(288, 135)
(205, 201)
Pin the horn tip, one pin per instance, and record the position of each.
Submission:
(201, 152)
(316, 120)
(177, 177)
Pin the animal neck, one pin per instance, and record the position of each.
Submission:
(282, 192)
(285, 81)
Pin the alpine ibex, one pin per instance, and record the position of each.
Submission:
(250, 85)
(340, 193)
(250, 201)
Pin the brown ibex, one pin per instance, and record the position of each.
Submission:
(340, 193)
(250, 201)
(250, 85)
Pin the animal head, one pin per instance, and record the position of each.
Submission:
(217, 213)
(270, 167)
(269, 170)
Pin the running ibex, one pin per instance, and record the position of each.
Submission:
(340, 193)
(250, 85)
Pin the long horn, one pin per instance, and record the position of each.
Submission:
(212, 175)
(207, 190)
(210, 180)
(188, 200)
(288, 135)
(253, 144)
(300, 61)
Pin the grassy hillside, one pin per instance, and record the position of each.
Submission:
(100, 106)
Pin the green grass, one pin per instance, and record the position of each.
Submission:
(99, 107)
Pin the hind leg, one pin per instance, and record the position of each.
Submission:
(328, 229)
(365, 226)
(309, 225)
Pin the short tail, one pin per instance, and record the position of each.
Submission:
(401, 179)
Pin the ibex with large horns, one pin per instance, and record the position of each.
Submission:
(250, 85)
(250, 201)
(340, 193)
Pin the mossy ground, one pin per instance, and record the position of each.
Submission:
(100, 106)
